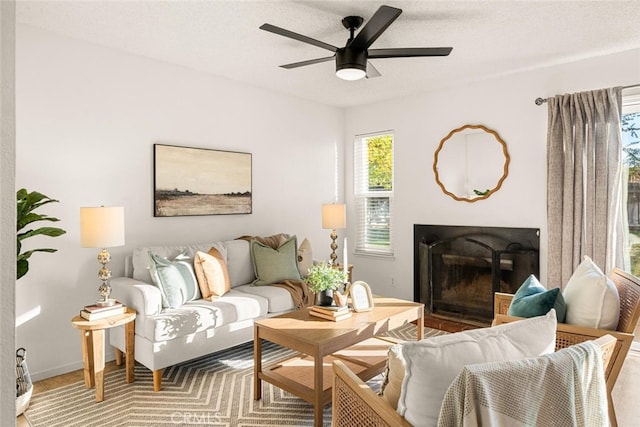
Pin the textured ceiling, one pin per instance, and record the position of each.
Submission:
(489, 38)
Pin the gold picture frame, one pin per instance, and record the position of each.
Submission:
(361, 297)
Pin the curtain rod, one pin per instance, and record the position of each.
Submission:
(540, 101)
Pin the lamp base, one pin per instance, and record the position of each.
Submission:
(334, 246)
(104, 291)
(106, 303)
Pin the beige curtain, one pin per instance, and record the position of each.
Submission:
(584, 183)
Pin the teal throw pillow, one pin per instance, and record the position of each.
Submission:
(275, 265)
(532, 299)
(175, 279)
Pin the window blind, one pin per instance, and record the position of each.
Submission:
(373, 193)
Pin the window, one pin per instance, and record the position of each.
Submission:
(631, 154)
(373, 180)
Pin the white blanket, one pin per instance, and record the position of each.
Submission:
(565, 388)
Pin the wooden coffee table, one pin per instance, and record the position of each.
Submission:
(319, 341)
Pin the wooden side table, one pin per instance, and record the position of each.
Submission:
(92, 336)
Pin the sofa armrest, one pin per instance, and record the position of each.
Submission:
(144, 298)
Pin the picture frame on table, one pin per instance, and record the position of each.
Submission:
(361, 297)
(198, 181)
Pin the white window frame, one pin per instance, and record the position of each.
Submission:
(362, 196)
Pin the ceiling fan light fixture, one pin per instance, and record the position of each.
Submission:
(351, 64)
(351, 74)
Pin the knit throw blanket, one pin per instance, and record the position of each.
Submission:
(565, 388)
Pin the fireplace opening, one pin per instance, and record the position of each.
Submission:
(458, 268)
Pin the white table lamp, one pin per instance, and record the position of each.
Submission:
(102, 227)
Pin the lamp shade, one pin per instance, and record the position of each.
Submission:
(101, 227)
(334, 216)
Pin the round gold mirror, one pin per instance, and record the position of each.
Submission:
(471, 163)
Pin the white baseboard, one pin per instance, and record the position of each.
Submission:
(49, 373)
(75, 366)
(635, 346)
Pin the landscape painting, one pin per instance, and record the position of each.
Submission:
(197, 181)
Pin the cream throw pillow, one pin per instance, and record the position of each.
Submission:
(211, 271)
(394, 376)
(432, 364)
(591, 297)
(305, 257)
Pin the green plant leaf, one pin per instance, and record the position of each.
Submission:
(26, 204)
(324, 276)
(44, 231)
(22, 268)
(27, 254)
(33, 217)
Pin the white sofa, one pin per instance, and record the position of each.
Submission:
(165, 337)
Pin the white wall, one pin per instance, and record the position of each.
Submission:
(7, 212)
(87, 119)
(505, 104)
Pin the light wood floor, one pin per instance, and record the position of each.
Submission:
(625, 393)
(627, 389)
(59, 381)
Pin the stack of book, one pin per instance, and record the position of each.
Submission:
(96, 312)
(331, 312)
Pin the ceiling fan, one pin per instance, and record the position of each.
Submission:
(352, 59)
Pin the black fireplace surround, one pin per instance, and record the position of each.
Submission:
(457, 269)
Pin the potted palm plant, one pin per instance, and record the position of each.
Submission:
(323, 279)
(27, 203)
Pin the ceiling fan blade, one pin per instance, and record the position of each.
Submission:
(309, 62)
(372, 71)
(409, 52)
(379, 22)
(290, 34)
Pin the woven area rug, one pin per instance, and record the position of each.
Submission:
(215, 390)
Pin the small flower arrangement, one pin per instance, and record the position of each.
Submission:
(324, 277)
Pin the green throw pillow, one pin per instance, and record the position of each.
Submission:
(175, 279)
(275, 265)
(532, 299)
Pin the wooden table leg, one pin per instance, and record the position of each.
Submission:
(118, 354)
(420, 324)
(98, 362)
(87, 358)
(129, 352)
(318, 405)
(257, 364)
